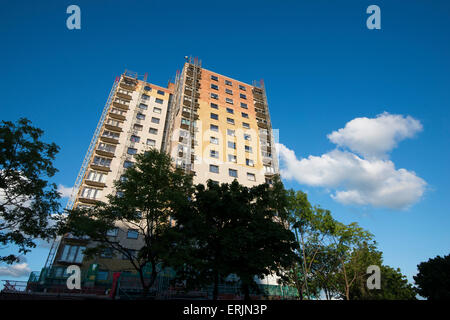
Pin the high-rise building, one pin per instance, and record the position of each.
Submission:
(213, 126)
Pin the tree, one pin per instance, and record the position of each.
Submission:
(350, 243)
(148, 194)
(27, 199)
(232, 229)
(433, 279)
(311, 225)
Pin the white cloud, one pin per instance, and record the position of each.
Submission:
(65, 191)
(373, 138)
(15, 270)
(356, 180)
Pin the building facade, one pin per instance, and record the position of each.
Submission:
(213, 126)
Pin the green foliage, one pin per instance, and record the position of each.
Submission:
(148, 194)
(333, 257)
(232, 229)
(27, 199)
(433, 279)
(394, 286)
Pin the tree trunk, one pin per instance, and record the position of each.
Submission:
(146, 287)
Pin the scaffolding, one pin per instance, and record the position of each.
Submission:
(185, 98)
(131, 131)
(82, 171)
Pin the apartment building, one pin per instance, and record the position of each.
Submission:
(213, 126)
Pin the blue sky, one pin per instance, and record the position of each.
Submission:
(322, 67)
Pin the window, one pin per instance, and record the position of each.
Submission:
(91, 193)
(185, 121)
(214, 106)
(231, 145)
(113, 122)
(151, 142)
(230, 121)
(251, 176)
(244, 105)
(244, 115)
(214, 154)
(132, 151)
(155, 120)
(229, 91)
(72, 253)
(214, 96)
(153, 131)
(118, 111)
(106, 147)
(232, 158)
(249, 162)
(214, 86)
(231, 133)
(100, 161)
(228, 82)
(160, 101)
(247, 137)
(138, 127)
(143, 106)
(134, 138)
(160, 92)
(245, 125)
(232, 173)
(96, 176)
(243, 96)
(248, 149)
(242, 87)
(132, 234)
(214, 140)
(113, 232)
(228, 100)
(127, 164)
(147, 88)
(215, 78)
(214, 116)
(214, 128)
(268, 169)
(157, 110)
(229, 110)
(213, 168)
(145, 97)
(140, 116)
(122, 101)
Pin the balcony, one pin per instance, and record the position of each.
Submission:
(88, 200)
(128, 86)
(94, 183)
(100, 168)
(109, 140)
(113, 128)
(123, 96)
(104, 153)
(116, 116)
